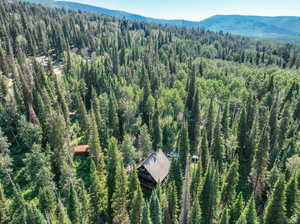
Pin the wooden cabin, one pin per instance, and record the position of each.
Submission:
(154, 170)
(81, 150)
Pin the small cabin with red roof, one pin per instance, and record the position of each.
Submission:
(81, 150)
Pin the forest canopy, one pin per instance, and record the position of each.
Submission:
(126, 89)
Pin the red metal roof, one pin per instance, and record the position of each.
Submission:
(81, 149)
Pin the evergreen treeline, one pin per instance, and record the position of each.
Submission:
(127, 89)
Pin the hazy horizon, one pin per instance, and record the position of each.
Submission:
(197, 10)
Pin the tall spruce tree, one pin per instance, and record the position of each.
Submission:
(275, 211)
(184, 148)
(236, 209)
(137, 206)
(218, 149)
(209, 196)
(292, 197)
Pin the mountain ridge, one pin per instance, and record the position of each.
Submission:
(279, 28)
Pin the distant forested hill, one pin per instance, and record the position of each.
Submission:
(282, 28)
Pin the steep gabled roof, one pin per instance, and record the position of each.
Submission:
(157, 165)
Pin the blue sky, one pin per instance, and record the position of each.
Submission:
(200, 9)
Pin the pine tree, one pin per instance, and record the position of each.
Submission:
(34, 215)
(225, 121)
(204, 153)
(137, 206)
(98, 192)
(113, 118)
(134, 184)
(236, 209)
(224, 217)
(146, 215)
(119, 197)
(218, 145)
(128, 151)
(47, 200)
(196, 180)
(194, 125)
(273, 124)
(209, 197)
(275, 211)
(94, 145)
(250, 212)
(157, 137)
(74, 207)
(173, 204)
(176, 176)
(191, 90)
(292, 197)
(145, 141)
(195, 213)
(260, 164)
(230, 183)
(62, 216)
(184, 148)
(155, 209)
(84, 118)
(210, 122)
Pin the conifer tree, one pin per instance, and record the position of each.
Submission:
(260, 164)
(94, 145)
(98, 192)
(218, 145)
(195, 213)
(191, 91)
(236, 209)
(204, 153)
(157, 136)
(196, 180)
(224, 217)
(146, 215)
(128, 151)
(292, 197)
(275, 211)
(133, 184)
(119, 197)
(225, 121)
(250, 212)
(34, 215)
(209, 196)
(273, 124)
(112, 165)
(137, 206)
(62, 216)
(155, 208)
(84, 118)
(113, 118)
(210, 122)
(74, 207)
(184, 148)
(229, 184)
(47, 200)
(173, 204)
(194, 125)
(145, 141)
(176, 176)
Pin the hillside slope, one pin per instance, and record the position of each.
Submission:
(282, 28)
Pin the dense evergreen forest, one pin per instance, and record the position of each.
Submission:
(128, 88)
